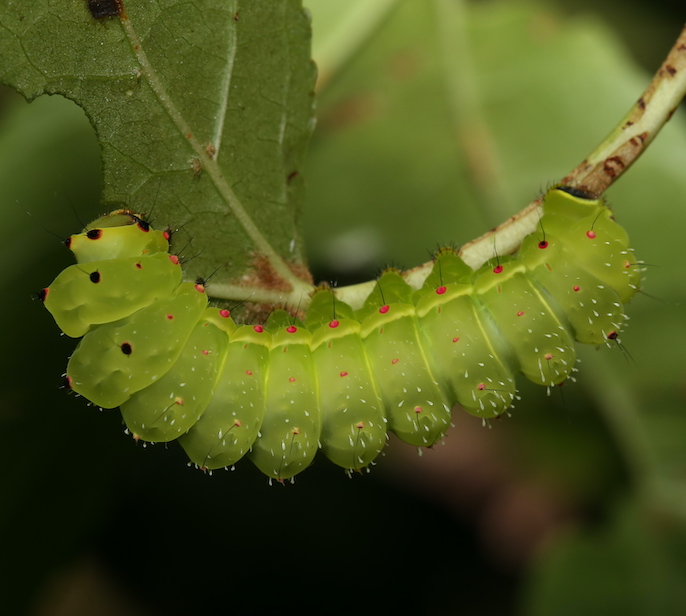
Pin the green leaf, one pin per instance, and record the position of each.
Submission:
(203, 111)
(633, 567)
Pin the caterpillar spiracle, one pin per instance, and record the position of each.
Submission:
(341, 379)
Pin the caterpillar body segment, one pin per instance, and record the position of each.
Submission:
(117, 235)
(538, 337)
(118, 359)
(97, 292)
(290, 432)
(354, 423)
(339, 381)
(467, 353)
(233, 417)
(592, 308)
(171, 405)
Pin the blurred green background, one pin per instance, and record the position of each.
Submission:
(433, 127)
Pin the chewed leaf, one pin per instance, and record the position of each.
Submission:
(203, 110)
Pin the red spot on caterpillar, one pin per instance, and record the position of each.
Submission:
(417, 409)
(520, 313)
(440, 290)
(258, 328)
(481, 386)
(334, 324)
(548, 356)
(200, 288)
(576, 287)
(359, 425)
(170, 316)
(126, 348)
(291, 379)
(205, 352)
(179, 401)
(498, 269)
(166, 235)
(292, 329)
(395, 361)
(612, 336)
(225, 314)
(384, 309)
(627, 264)
(456, 339)
(174, 259)
(296, 431)
(590, 234)
(143, 226)
(344, 373)
(69, 382)
(94, 234)
(237, 423)
(248, 372)
(139, 266)
(543, 244)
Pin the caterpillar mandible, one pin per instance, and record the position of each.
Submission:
(340, 380)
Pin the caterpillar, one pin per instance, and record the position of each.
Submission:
(341, 379)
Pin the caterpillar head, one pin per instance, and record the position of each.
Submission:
(117, 235)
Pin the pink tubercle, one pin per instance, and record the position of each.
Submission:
(498, 269)
(576, 287)
(441, 290)
(334, 324)
(248, 372)
(456, 339)
(384, 309)
(225, 314)
(292, 329)
(590, 234)
(395, 361)
(174, 259)
(258, 328)
(344, 373)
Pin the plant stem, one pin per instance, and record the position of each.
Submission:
(595, 174)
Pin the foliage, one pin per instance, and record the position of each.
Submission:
(418, 143)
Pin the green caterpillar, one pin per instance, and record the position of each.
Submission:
(341, 379)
